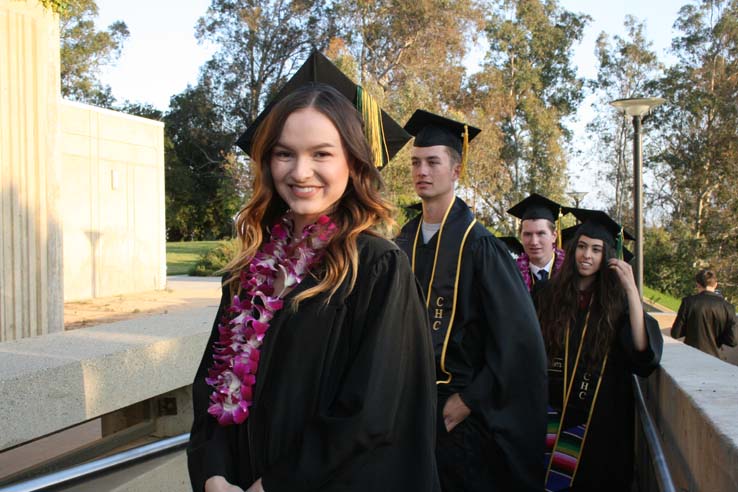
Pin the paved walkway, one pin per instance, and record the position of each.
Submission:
(182, 293)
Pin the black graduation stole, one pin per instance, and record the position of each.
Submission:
(567, 429)
(440, 293)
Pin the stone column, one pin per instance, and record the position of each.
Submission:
(31, 241)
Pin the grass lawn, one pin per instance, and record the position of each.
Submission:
(664, 299)
(182, 256)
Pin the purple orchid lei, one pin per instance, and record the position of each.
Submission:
(236, 353)
(524, 265)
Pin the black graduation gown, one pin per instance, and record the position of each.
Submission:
(606, 464)
(345, 393)
(497, 358)
(706, 321)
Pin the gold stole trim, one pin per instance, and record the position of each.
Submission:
(433, 275)
(453, 307)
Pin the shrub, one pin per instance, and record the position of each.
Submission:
(216, 259)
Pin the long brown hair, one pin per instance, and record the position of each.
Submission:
(558, 303)
(361, 208)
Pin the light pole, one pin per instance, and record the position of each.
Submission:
(637, 107)
(577, 196)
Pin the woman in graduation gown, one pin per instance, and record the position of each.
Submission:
(596, 337)
(319, 372)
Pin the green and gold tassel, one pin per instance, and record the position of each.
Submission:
(464, 152)
(373, 127)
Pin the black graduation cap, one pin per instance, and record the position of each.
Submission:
(431, 129)
(385, 135)
(598, 225)
(536, 207)
(570, 233)
(513, 245)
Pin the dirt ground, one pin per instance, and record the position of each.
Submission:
(181, 293)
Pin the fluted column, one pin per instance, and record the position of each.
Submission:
(31, 244)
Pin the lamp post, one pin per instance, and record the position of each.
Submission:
(577, 196)
(637, 108)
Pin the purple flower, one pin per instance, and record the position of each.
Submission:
(236, 353)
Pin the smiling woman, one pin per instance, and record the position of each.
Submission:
(596, 337)
(318, 374)
(309, 166)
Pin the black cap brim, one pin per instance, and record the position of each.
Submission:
(319, 69)
(513, 244)
(568, 235)
(536, 207)
(597, 224)
(431, 129)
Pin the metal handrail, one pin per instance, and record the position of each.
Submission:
(663, 476)
(656, 452)
(87, 470)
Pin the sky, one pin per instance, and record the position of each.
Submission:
(161, 56)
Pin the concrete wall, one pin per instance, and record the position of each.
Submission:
(30, 227)
(78, 375)
(693, 400)
(112, 202)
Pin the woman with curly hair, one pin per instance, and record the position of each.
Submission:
(597, 336)
(319, 371)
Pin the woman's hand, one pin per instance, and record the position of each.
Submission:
(635, 306)
(624, 273)
(256, 487)
(220, 484)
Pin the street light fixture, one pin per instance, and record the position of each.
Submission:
(577, 196)
(637, 107)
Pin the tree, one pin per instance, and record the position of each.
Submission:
(260, 44)
(625, 67)
(528, 73)
(408, 55)
(85, 50)
(205, 182)
(698, 161)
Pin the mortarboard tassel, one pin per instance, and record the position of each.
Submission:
(619, 244)
(464, 152)
(558, 229)
(373, 127)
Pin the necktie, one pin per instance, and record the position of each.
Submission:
(542, 275)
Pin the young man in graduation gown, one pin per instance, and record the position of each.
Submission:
(490, 360)
(706, 320)
(541, 258)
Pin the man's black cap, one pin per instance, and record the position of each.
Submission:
(536, 207)
(431, 129)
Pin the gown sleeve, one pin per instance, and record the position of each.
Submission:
(728, 336)
(677, 329)
(643, 362)
(509, 392)
(392, 352)
(208, 452)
